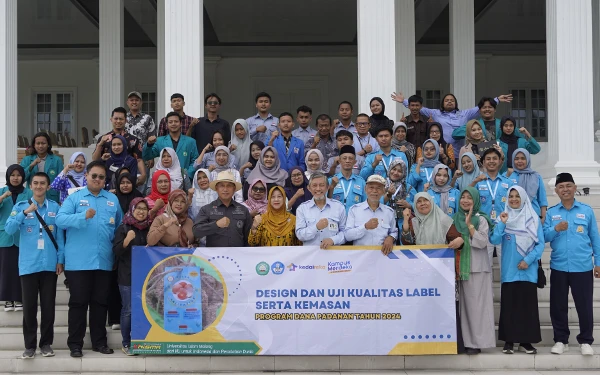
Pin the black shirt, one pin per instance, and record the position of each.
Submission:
(123, 254)
(235, 235)
(202, 132)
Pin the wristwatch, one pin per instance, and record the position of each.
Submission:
(471, 226)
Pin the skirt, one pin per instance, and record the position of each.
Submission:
(519, 314)
(10, 283)
(477, 311)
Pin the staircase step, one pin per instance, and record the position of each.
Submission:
(544, 311)
(15, 318)
(12, 338)
(118, 363)
(543, 294)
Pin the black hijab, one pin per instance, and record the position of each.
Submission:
(291, 189)
(510, 139)
(125, 199)
(442, 141)
(15, 190)
(381, 116)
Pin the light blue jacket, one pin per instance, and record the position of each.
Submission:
(530, 145)
(6, 207)
(381, 168)
(487, 188)
(511, 257)
(355, 187)
(89, 241)
(32, 259)
(418, 180)
(572, 249)
(187, 151)
(53, 166)
(541, 199)
(453, 200)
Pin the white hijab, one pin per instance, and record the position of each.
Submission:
(242, 150)
(523, 223)
(174, 170)
(201, 197)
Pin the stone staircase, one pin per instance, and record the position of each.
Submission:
(11, 347)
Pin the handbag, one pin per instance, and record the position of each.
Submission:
(48, 231)
(541, 281)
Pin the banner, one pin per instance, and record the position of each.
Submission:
(293, 301)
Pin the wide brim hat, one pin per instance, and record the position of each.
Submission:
(225, 176)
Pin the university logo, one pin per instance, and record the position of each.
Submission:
(277, 268)
(262, 268)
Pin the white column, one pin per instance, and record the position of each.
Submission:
(406, 65)
(596, 60)
(462, 52)
(376, 37)
(8, 86)
(570, 90)
(111, 32)
(181, 54)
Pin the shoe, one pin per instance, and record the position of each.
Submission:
(527, 348)
(9, 306)
(116, 327)
(76, 353)
(509, 348)
(472, 351)
(586, 349)
(18, 306)
(127, 350)
(559, 348)
(46, 351)
(28, 354)
(103, 350)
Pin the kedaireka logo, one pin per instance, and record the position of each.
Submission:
(296, 267)
(343, 266)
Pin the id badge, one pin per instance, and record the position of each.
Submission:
(40, 244)
(493, 215)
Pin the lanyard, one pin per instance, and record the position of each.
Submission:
(428, 175)
(346, 190)
(360, 142)
(397, 190)
(492, 192)
(386, 166)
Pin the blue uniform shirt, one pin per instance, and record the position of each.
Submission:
(418, 180)
(349, 191)
(255, 121)
(308, 215)
(541, 199)
(381, 168)
(511, 257)
(361, 213)
(572, 249)
(453, 200)
(295, 155)
(89, 241)
(493, 193)
(31, 258)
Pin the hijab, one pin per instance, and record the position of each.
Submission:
(126, 199)
(396, 143)
(201, 197)
(182, 217)
(259, 206)
(442, 141)
(291, 189)
(510, 139)
(321, 158)
(466, 179)
(121, 160)
(470, 139)
(273, 175)
(154, 193)
(529, 179)
(79, 177)
(430, 229)
(130, 220)
(242, 146)
(15, 190)
(459, 222)
(250, 158)
(442, 190)
(174, 170)
(227, 166)
(523, 223)
(430, 163)
(400, 185)
(381, 116)
(279, 222)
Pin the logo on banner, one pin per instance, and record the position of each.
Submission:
(311, 267)
(292, 267)
(277, 268)
(262, 268)
(343, 266)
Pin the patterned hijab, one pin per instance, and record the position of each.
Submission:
(130, 220)
(259, 206)
(400, 185)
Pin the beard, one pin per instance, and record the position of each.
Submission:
(319, 199)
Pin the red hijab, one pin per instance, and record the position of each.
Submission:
(155, 195)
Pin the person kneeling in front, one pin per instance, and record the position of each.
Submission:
(329, 229)
(372, 223)
(41, 259)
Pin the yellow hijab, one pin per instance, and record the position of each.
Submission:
(279, 222)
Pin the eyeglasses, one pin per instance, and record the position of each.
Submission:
(141, 209)
(362, 124)
(296, 175)
(96, 176)
(212, 103)
(258, 190)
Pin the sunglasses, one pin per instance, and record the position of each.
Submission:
(212, 103)
(258, 190)
(96, 176)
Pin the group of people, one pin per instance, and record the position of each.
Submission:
(439, 176)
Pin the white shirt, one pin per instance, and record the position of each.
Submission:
(359, 214)
(308, 215)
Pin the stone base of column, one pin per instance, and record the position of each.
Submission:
(585, 173)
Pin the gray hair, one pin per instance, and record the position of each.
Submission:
(316, 175)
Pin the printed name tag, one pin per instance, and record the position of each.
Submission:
(51, 214)
(111, 204)
(556, 217)
(482, 187)
(451, 199)
(505, 186)
(333, 226)
(580, 216)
